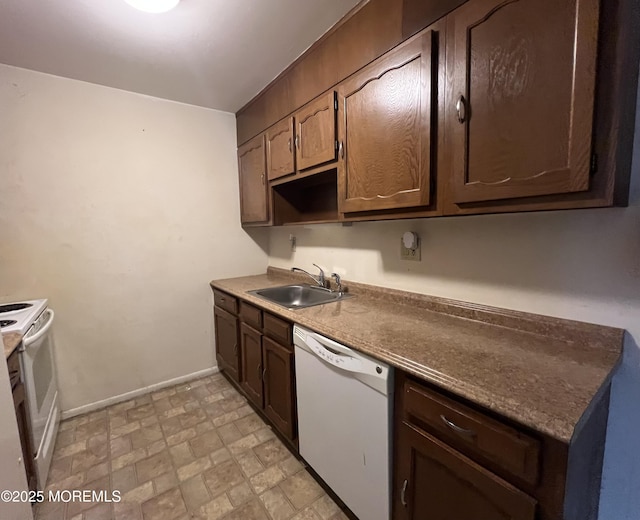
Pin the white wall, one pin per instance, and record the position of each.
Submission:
(582, 265)
(119, 208)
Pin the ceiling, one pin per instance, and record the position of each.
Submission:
(212, 53)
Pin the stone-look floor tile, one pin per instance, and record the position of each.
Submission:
(206, 443)
(203, 427)
(167, 505)
(129, 458)
(229, 433)
(181, 454)
(142, 399)
(277, 504)
(223, 419)
(97, 471)
(149, 421)
(233, 402)
(249, 423)
(77, 517)
(307, 514)
(51, 510)
(121, 407)
(98, 414)
(124, 479)
(87, 459)
(192, 418)
(223, 477)
(100, 485)
(117, 420)
(139, 494)
(250, 511)
(193, 468)
(171, 413)
(325, 507)
(100, 512)
(154, 466)
(195, 493)
(264, 434)
(65, 438)
(126, 511)
(271, 452)
(165, 482)
(162, 404)
(181, 398)
(243, 444)
(120, 446)
(124, 429)
(339, 516)
(266, 479)
(71, 449)
(59, 469)
(181, 436)
(290, 465)
(301, 489)
(240, 494)
(220, 456)
(144, 436)
(90, 429)
(214, 510)
(161, 394)
(71, 482)
(249, 463)
(244, 411)
(135, 414)
(156, 447)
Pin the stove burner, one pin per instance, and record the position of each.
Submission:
(7, 323)
(12, 307)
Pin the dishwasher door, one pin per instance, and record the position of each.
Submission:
(344, 421)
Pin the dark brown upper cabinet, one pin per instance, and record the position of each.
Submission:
(386, 113)
(519, 110)
(280, 146)
(254, 202)
(315, 136)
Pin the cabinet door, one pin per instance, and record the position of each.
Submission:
(226, 334)
(254, 207)
(279, 386)
(280, 157)
(251, 356)
(519, 113)
(316, 132)
(385, 129)
(436, 482)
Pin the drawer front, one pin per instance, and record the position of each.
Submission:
(277, 329)
(250, 315)
(13, 364)
(472, 432)
(225, 301)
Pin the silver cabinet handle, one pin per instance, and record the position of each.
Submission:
(403, 493)
(297, 141)
(262, 178)
(457, 429)
(235, 350)
(461, 109)
(264, 373)
(290, 149)
(341, 149)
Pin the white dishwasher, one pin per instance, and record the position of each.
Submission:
(344, 420)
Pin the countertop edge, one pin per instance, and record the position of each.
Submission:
(11, 341)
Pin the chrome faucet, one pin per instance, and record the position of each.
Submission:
(338, 280)
(320, 279)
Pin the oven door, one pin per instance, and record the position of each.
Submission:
(39, 374)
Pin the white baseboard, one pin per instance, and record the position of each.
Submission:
(80, 410)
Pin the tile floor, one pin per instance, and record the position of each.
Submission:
(193, 451)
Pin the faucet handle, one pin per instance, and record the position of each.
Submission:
(338, 282)
(321, 277)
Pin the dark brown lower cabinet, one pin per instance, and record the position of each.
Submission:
(435, 481)
(251, 362)
(279, 386)
(227, 350)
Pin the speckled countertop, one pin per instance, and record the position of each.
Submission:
(11, 341)
(539, 371)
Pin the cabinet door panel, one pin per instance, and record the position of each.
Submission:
(226, 334)
(254, 206)
(251, 356)
(443, 484)
(316, 132)
(280, 159)
(279, 386)
(520, 112)
(385, 128)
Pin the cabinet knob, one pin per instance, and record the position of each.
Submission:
(461, 109)
(403, 493)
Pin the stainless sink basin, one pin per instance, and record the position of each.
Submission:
(298, 296)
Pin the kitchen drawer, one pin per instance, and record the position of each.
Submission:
(250, 315)
(277, 329)
(13, 364)
(473, 433)
(225, 301)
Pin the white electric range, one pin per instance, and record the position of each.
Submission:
(33, 319)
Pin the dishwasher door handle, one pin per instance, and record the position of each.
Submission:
(333, 356)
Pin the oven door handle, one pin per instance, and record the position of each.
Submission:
(27, 341)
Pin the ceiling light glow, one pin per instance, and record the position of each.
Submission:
(153, 6)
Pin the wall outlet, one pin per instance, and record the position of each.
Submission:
(413, 252)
